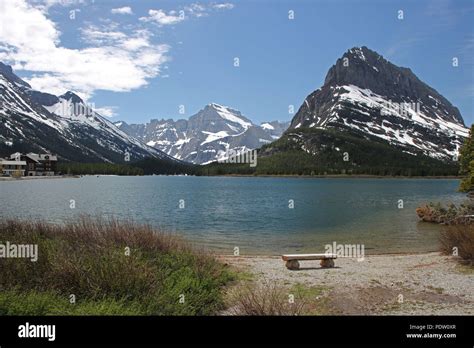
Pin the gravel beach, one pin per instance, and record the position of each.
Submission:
(391, 284)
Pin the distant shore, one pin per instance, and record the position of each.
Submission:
(8, 178)
(337, 176)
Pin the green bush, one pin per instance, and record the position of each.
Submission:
(459, 240)
(466, 161)
(47, 303)
(87, 258)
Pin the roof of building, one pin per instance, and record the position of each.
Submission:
(9, 163)
(42, 156)
(36, 157)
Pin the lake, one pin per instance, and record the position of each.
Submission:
(259, 215)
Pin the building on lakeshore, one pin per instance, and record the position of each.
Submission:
(12, 167)
(37, 164)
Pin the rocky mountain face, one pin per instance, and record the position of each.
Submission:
(32, 121)
(206, 136)
(366, 95)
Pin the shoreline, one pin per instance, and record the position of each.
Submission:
(404, 253)
(426, 283)
(335, 176)
(22, 178)
(292, 176)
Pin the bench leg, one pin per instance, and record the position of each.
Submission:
(292, 264)
(327, 263)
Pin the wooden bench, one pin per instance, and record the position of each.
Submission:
(327, 260)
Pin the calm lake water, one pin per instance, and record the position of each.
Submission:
(251, 213)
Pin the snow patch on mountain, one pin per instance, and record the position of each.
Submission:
(266, 126)
(364, 92)
(230, 115)
(206, 135)
(63, 125)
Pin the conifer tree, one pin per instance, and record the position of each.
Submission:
(466, 162)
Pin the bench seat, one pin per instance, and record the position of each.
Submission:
(327, 260)
(308, 257)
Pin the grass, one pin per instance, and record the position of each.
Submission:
(315, 298)
(465, 269)
(268, 298)
(393, 306)
(49, 303)
(88, 258)
(244, 276)
(459, 239)
(308, 291)
(436, 289)
(265, 298)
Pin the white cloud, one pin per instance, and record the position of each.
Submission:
(46, 4)
(196, 9)
(108, 35)
(112, 60)
(122, 10)
(200, 10)
(224, 6)
(162, 18)
(98, 36)
(107, 111)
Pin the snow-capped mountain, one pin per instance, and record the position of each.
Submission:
(275, 128)
(207, 135)
(365, 94)
(40, 122)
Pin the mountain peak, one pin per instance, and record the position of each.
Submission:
(7, 71)
(363, 92)
(71, 96)
(217, 106)
(358, 66)
(227, 114)
(362, 53)
(357, 52)
(206, 135)
(37, 122)
(223, 110)
(368, 70)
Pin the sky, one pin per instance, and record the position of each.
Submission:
(142, 59)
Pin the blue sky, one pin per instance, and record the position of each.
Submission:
(137, 60)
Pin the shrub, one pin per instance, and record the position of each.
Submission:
(266, 298)
(459, 237)
(87, 258)
(466, 161)
(451, 214)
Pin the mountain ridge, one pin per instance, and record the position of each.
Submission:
(363, 91)
(364, 96)
(34, 121)
(207, 135)
(344, 127)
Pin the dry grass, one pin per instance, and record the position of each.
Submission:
(88, 257)
(267, 299)
(461, 238)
